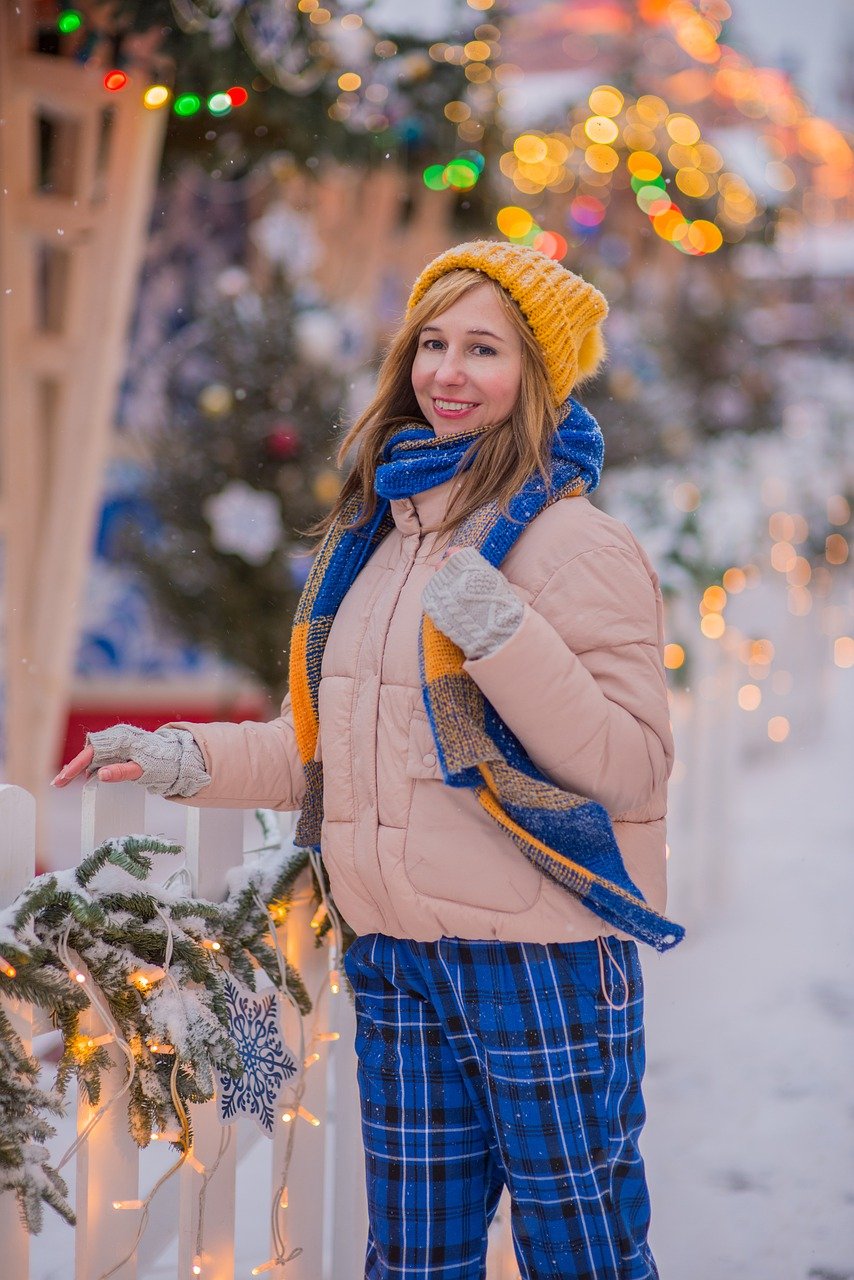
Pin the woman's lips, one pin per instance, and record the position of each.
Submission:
(445, 410)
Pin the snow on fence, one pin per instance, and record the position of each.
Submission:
(326, 1213)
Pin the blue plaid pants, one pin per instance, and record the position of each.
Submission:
(490, 1063)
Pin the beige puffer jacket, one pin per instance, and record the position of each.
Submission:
(580, 683)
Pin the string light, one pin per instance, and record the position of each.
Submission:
(128, 1204)
(334, 981)
(115, 80)
(265, 1266)
(195, 1164)
(310, 1060)
(328, 1036)
(197, 1265)
(211, 944)
(69, 21)
(7, 969)
(306, 1115)
(76, 975)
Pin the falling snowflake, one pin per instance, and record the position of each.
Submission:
(267, 1062)
(245, 521)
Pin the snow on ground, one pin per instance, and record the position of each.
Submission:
(750, 1033)
(750, 1083)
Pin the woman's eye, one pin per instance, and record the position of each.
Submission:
(483, 350)
(431, 344)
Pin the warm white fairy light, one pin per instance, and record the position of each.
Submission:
(197, 1265)
(307, 1116)
(8, 969)
(310, 1060)
(288, 1115)
(265, 1266)
(327, 1036)
(210, 944)
(318, 917)
(334, 981)
(195, 1164)
(167, 1135)
(128, 1204)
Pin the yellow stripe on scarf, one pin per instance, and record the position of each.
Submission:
(305, 718)
(441, 656)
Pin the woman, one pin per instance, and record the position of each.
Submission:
(482, 755)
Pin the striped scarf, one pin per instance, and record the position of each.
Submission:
(568, 837)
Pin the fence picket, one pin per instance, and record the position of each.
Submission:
(108, 1161)
(17, 867)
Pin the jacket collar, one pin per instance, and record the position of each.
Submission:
(423, 511)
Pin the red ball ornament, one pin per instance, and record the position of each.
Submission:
(284, 443)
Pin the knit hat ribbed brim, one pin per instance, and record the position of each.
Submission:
(565, 313)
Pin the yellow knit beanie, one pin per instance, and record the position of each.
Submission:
(565, 313)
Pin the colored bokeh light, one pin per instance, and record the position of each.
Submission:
(600, 129)
(514, 222)
(461, 174)
(605, 100)
(219, 104)
(238, 95)
(587, 211)
(551, 243)
(530, 148)
(644, 165)
(434, 177)
(115, 80)
(69, 21)
(157, 95)
(187, 104)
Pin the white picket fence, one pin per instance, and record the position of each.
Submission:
(326, 1213)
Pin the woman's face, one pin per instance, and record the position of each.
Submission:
(468, 367)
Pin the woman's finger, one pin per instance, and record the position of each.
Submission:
(129, 772)
(74, 767)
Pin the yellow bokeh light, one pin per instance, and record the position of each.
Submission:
(682, 129)
(514, 222)
(714, 598)
(644, 165)
(749, 697)
(843, 651)
(836, 549)
(761, 651)
(783, 556)
(349, 81)
(480, 5)
(530, 147)
(686, 496)
(712, 626)
(704, 236)
(800, 572)
(799, 601)
(670, 224)
(781, 526)
(674, 656)
(709, 158)
(639, 137)
(778, 728)
(693, 183)
(683, 157)
(319, 16)
(157, 96)
(600, 158)
(838, 509)
(457, 111)
(734, 581)
(651, 109)
(780, 176)
(477, 50)
(600, 129)
(605, 100)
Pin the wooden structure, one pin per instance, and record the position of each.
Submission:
(79, 166)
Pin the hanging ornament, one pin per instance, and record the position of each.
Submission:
(215, 399)
(244, 521)
(284, 443)
(268, 1064)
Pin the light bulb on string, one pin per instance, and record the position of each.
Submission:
(7, 969)
(115, 80)
(197, 1265)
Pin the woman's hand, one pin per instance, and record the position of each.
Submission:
(472, 603)
(167, 762)
(127, 772)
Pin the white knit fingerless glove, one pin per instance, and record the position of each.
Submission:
(472, 603)
(171, 760)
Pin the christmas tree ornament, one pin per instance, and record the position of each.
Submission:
(283, 443)
(216, 399)
(254, 1027)
(326, 486)
(244, 521)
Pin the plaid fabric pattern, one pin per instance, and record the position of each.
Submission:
(568, 837)
(485, 1063)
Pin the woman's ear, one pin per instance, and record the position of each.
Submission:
(591, 352)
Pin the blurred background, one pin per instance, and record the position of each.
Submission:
(211, 215)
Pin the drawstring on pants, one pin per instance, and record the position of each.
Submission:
(602, 945)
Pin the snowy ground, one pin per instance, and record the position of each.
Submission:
(750, 1085)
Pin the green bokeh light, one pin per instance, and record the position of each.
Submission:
(69, 21)
(187, 104)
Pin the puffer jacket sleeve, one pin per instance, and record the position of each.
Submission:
(251, 764)
(581, 681)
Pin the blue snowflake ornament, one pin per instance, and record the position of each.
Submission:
(253, 1023)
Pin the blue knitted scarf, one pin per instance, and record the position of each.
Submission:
(567, 836)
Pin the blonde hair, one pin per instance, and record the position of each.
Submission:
(505, 455)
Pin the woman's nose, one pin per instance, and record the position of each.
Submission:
(450, 371)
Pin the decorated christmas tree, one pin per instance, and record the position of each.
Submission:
(239, 470)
